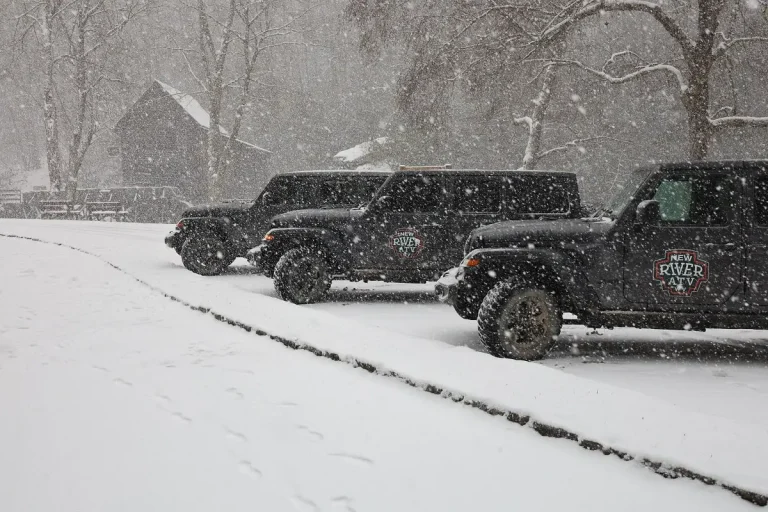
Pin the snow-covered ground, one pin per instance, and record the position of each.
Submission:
(706, 412)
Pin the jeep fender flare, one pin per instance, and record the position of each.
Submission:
(323, 239)
(219, 226)
(551, 268)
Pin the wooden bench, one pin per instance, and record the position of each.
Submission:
(58, 209)
(102, 210)
(10, 196)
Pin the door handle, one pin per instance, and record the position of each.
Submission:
(729, 247)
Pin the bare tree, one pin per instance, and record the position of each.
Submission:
(76, 42)
(479, 48)
(700, 53)
(256, 27)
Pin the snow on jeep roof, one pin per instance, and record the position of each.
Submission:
(711, 165)
(345, 172)
(443, 170)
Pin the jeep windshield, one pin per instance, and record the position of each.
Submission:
(623, 195)
(321, 191)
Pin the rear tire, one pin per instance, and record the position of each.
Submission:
(205, 254)
(302, 276)
(519, 319)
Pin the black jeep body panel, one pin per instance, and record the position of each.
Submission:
(417, 223)
(683, 246)
(242, 225)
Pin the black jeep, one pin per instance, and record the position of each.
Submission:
(680, 246)
(412, 229)
(210, 237)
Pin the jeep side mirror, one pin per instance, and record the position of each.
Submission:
(648, 212)
(384, 202)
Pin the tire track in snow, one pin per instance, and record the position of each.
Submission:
(546, 430)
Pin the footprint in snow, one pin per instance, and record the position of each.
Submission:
(249, 469)
(236, 392)
(342, 504)
(181, 416)
(122, 382)
(351, 457)
(303, 504)
(163, 399)
(234, 434)
(317, 436)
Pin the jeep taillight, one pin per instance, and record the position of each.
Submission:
(180, 225)
(269, 237)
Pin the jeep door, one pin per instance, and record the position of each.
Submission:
(276, 198)
(756, 227)
(477, 201)
(694, 254)
(407, 230)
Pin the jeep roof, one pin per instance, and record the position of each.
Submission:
(481, 172)
(343, 172)
(705, 166)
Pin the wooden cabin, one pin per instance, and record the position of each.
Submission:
(162, 143)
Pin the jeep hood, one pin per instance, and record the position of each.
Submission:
(314, 217)
(215, 210)
(522, 232)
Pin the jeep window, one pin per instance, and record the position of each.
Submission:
(625, 193)
(477, 194)
(531, 195)
(278, 191)
(418, 193)
(761, 201)
(695, 200)
(346, 191)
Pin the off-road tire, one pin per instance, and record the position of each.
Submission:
(206, 254)
(302, 276)
(524, 304)
(468, 307)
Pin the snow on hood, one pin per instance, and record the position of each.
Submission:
(514, 232)
(215, 210)
(355, 153)
(312, 217)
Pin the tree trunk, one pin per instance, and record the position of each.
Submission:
(78, 146)
(700, 130)
(215, 190)
(50, 117)
(700, 62)
(535, 126)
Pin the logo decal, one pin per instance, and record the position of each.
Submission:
(407, 243)
(681, 272)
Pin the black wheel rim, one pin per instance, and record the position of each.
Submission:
(305, 278)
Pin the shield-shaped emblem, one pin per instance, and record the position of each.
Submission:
(407, 243)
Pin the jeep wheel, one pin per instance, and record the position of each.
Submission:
(519, 320)
(205, 255)
(468, 307)
(301, 276)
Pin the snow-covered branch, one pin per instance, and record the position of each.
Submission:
(645, 70)
(598, 7)
(727, 44)
(577, 143)
(524, 120)
(739, 122)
